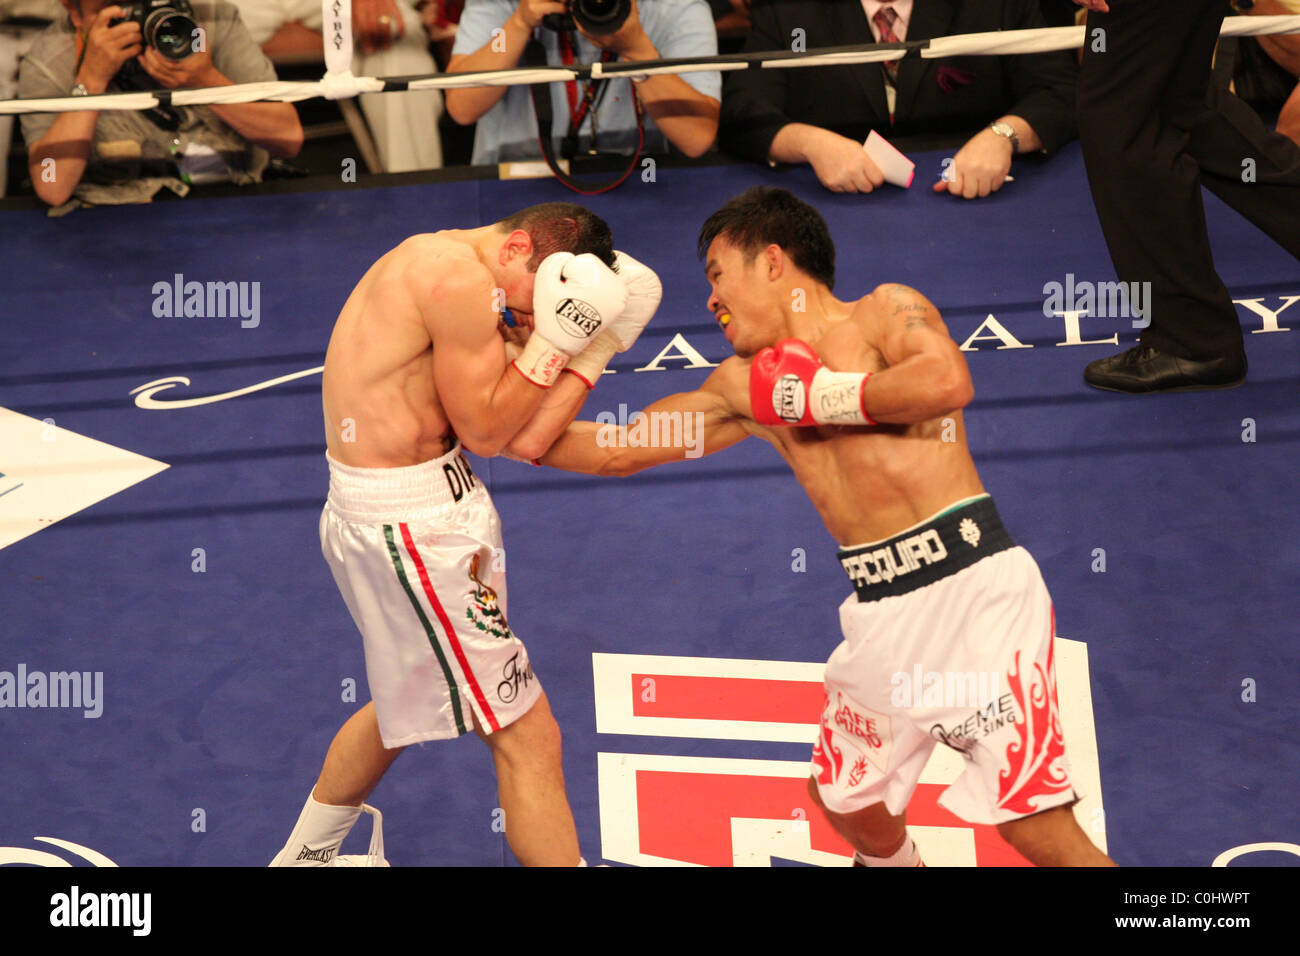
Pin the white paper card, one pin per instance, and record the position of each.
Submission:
(897, 168)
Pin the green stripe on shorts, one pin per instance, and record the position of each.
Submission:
(428, 628)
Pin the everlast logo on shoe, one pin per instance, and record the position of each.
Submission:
(317, 856)
(578, 318)
(902, 557)
(459, 477)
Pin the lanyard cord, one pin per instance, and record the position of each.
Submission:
(535, 56)
(592, 95)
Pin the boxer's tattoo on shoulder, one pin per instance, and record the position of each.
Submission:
(903, 302)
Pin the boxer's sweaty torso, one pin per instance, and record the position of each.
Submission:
(380, 400)
(867, 483)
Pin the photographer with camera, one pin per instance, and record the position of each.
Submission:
(681, 110)
(122, 156)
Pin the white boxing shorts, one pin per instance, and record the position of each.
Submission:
(948, 639)
(417, 555)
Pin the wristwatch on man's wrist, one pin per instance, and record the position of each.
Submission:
(80, 90)
(1009, 131)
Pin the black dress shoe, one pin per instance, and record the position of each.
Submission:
(1143, 369)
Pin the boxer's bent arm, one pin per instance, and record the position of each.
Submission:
(485, 397)
(558, 409)
(926, 375)
(604, 449)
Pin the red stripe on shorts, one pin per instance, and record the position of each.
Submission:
(446, 623)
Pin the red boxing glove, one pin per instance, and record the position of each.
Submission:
(789, 385)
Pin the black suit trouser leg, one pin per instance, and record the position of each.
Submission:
(1250, 167)
(1147, 123)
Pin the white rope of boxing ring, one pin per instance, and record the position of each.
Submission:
(339, 82)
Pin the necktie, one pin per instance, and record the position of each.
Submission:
(884, 20)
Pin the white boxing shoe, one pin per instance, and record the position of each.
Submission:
(376, 855)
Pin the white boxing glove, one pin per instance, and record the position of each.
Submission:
(644, 290)
(574, 299)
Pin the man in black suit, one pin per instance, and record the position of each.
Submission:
(822, 116)
(1154, 129)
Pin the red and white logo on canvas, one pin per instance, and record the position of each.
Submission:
(658, 810)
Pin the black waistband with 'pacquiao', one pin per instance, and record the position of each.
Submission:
(949, 542)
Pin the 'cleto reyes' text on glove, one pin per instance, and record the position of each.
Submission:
(574, 298)
(789, 385)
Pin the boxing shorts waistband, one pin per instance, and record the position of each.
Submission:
(386, 494)
(938, 547)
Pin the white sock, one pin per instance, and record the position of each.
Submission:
(317, 835)
(907, 855)
(581, 862)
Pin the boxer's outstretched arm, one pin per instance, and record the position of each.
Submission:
(486, 398)
(926, 375)
(685, 425)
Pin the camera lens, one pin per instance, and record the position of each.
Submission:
(172, 34)
(601, 17)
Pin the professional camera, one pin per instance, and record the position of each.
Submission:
(167, 25)
(597, 17)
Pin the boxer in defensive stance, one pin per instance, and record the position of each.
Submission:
(863, 400)
(421, 363)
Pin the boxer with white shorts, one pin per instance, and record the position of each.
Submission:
(421, 365)
(863, 400)
(947, 640)
(417, 555)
